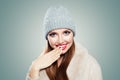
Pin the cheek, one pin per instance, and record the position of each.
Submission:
(52, 42)
(69, 38)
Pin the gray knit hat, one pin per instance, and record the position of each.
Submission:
(58, 17)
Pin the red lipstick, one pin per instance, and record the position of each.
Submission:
(62, 46)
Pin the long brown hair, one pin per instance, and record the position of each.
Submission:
(59, 73)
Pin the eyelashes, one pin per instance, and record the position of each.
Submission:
(52, 34)
(67, 32)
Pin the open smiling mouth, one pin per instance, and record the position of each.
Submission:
(62, 46)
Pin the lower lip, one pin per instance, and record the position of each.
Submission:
(64, 47)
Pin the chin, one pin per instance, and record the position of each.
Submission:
(64, 51)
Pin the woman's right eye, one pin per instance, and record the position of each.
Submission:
(52, 34)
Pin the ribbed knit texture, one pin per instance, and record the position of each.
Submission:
(58, 17)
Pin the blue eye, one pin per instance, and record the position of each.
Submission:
(52, 34)
(67, 32)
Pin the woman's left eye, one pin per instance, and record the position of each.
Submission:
(66, 32)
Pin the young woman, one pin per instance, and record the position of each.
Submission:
(62, 59)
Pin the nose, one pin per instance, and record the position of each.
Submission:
(60, 39)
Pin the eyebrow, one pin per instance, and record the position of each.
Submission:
(51, 32)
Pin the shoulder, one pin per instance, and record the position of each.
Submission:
(94, 68)
(88, 63)
(93, 65)
(80, 50)
(88, 60)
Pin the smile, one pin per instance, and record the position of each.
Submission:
(62, 46)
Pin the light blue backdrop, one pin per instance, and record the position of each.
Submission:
(22, 39)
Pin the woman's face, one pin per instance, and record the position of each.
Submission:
(62, 38)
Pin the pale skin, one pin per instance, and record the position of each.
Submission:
(60, 40)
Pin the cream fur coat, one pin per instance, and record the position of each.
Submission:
(82, 67)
